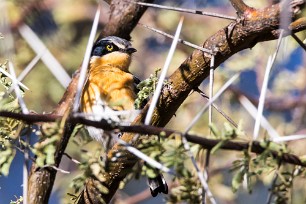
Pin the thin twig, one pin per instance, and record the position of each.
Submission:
(86, 60)
(222, 89)
(184, 42)
(163, 73)
(217, 108)
(264, 88)
(72, 159)
(298, 41)
(203, 13)
(57, 169)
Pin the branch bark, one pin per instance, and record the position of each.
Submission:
(239, 6)
(256, 147)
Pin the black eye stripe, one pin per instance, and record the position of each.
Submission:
(100, 48)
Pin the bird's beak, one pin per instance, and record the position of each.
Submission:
(131, 50)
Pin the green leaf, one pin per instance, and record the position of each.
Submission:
(237, 180)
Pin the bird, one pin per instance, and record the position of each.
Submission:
(111, 88)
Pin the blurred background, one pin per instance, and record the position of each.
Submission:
(63, 27)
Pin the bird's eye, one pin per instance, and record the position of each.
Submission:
(109, 47)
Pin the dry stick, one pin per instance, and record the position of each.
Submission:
(264, 88)
(72, 159)
(184, 42)
(186, 10)
(298, 41)
(231, 121)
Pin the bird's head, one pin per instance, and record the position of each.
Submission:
(113, 51)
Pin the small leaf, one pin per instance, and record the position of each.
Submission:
(237, 180)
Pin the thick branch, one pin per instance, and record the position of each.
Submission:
(153, 130)
(239, 6)
(123, 18)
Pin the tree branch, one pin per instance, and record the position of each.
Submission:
(239, 6)
(256, 147)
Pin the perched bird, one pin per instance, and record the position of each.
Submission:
(110, 88)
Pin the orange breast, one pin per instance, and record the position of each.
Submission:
(112, 85)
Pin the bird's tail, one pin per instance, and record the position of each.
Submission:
(158, 185)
